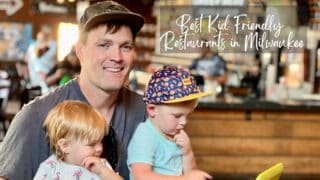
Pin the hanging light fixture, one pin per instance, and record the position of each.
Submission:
(60, 1)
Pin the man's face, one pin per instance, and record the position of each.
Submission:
(106, 58)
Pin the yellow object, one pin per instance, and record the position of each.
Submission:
(273, 173)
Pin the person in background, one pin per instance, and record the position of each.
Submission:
(75, 131)
(160, 148)
(106, 53)
(211, 67)
(64, 70)
(40, 58)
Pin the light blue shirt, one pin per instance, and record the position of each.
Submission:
(213, 66)
(43, 63)
(149, 146)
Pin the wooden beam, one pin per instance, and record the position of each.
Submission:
(255, 146)
(254, 128)
(255, 164)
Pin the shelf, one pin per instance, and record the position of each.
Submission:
(141, 63)
(314, 14)
(313, 20)
(313, 1)
(145, 45)
(146, 34)
(315, 9)
(138, 48)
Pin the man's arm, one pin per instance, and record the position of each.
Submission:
(53, 78)
(47, 60)
(193, 64)
(222, 79)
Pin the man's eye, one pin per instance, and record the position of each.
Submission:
(127, 47)
(104, 45)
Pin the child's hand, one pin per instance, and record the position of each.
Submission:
(182, 139)
(100, 167)
(94, 164)
(196, 175)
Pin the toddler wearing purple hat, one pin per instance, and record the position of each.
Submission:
(160, 148)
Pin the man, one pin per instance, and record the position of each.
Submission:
(106, 53)
(40, 58)
(210, 68)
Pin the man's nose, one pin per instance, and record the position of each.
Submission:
(116, 54)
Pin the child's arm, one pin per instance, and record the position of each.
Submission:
(143, 171)
(98, 166)
(182, 139)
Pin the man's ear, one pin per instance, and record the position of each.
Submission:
(79, 49)
(63, 145)
(151, 109)
(134, 55)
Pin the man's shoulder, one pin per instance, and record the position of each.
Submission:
(135, 109)
(131, 93)
(217, 57)
(133, 97)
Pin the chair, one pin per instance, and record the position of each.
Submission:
(273, 173)
(29, 93)
(4, 97)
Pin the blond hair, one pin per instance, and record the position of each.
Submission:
(73, 120)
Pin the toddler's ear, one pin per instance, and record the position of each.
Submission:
(151, 110)
(63, 145)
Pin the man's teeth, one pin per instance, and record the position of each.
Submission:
(112, 69)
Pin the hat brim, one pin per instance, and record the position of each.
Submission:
(188, 98)
(135, 21)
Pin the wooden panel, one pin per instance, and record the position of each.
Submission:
(256, 164)
(229, 128)
(263, 128)
(225, 142)
(214, 115)
(255, 146)
(301, 116)
(256, 115)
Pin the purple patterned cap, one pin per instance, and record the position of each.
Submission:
(171, 85)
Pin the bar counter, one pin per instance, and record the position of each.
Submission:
(237, 139)
(260, 104)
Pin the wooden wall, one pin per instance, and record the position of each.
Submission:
(226, 143)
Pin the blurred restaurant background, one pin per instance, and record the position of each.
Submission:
(266, 112)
